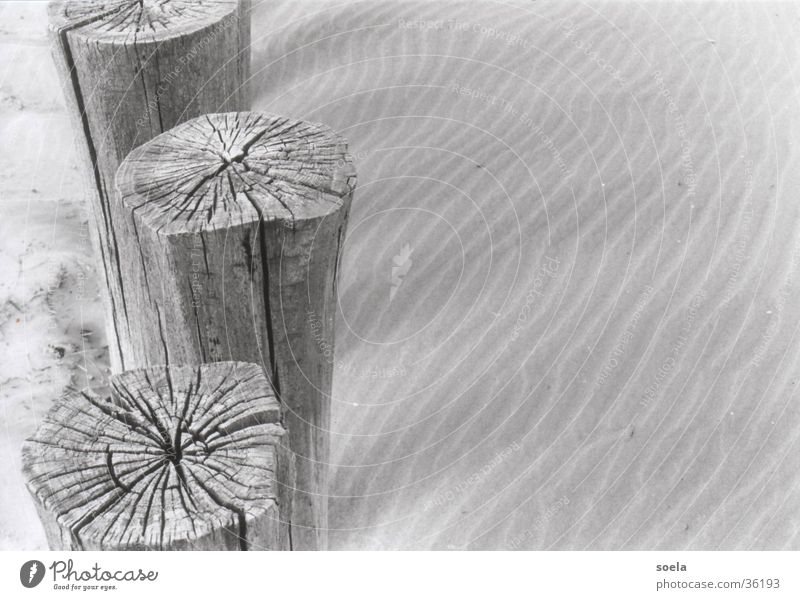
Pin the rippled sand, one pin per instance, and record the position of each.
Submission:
(570, 291)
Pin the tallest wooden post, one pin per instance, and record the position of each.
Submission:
(131, 69)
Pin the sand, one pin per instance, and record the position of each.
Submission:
(569, 294)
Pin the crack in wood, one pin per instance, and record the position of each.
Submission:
(99, 483)
(300, 171)
(138, 17)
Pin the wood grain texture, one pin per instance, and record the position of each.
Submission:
(174, 458)
(130, 70)
(232, 226)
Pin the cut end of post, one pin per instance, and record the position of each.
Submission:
(142, 20)
(223, 169)
(174, 458)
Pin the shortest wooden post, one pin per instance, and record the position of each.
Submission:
(174, 458)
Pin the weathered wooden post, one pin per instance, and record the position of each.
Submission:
(231, 226)
(130, 70)
(175, 458)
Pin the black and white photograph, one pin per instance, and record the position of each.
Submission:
(400, 275)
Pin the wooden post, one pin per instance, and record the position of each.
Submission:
(232, 225)
(130, 70)
(175, 458)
